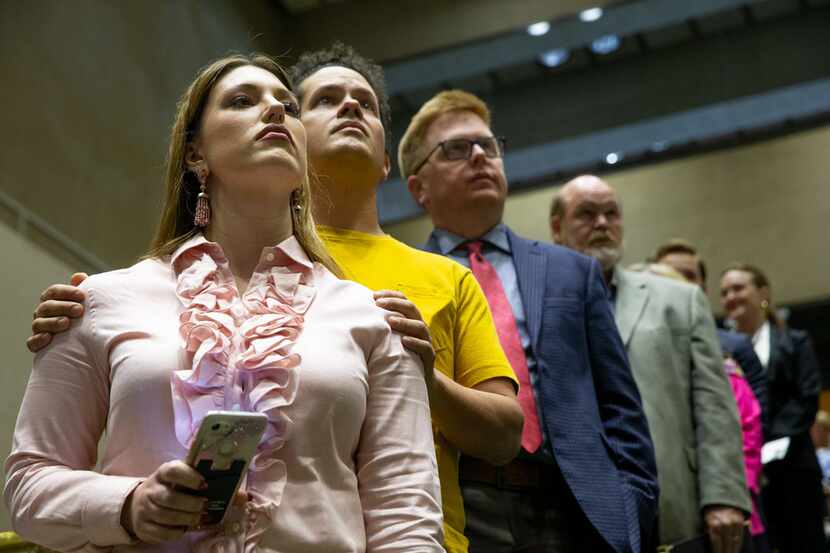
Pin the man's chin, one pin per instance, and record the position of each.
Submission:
(485, 205)
(484, 196)
(347, 151)
(608, 256)
(348, 143)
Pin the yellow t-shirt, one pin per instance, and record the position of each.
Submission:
(463, 334)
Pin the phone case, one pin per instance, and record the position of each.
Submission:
(221, 451)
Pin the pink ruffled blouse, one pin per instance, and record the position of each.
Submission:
(347, 462)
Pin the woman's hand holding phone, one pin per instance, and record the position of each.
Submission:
(163, 507)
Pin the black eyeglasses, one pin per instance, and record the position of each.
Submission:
(462, 148)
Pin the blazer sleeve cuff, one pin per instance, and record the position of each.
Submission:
(101, 514)
(740, 502)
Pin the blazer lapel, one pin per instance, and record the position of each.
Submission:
(778, 342)
(530, 263)
(632, 297)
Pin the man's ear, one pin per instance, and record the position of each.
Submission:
(193, 156)
(556, 228)
(418, 190)
(387, 165)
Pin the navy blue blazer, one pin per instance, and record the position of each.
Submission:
(591, 408)
(740, 348)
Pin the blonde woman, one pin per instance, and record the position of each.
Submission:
(236, 306)
(793, 498)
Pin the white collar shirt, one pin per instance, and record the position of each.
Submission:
(761, 344)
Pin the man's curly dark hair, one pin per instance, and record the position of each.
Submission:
(341, 55)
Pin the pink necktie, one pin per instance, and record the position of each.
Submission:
(510, 341)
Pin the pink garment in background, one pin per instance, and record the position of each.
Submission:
(348, 463)
(749, 411)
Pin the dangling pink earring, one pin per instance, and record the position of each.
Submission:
(202, 217)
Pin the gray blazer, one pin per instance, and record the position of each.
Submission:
(672, 345)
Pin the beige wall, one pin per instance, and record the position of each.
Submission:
(766, 204)
(27, 270)
(90, 93)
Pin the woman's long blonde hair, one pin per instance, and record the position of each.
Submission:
(182, 186)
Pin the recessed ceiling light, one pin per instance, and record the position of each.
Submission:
(553, 58)
(660, 146)
(605, 44)
(538, 29)
(590, 15)
(613, 158)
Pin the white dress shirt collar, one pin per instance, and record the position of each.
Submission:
(761, 343)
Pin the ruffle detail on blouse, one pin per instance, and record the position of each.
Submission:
(206, 328)
(268, 373)
(264, 377)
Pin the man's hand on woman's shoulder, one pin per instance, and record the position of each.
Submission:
(59, 304)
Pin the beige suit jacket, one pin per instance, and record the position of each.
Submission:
(672, 344)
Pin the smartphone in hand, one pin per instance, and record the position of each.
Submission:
(221, 452)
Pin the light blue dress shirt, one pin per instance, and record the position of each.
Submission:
(496, 249)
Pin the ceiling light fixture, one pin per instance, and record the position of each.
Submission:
(605, 44)
(660, 146)
(613, 158)
(554, 58)
(538, 29)
(590, 15)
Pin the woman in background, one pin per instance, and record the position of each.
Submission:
(236, 306)
(792, 498)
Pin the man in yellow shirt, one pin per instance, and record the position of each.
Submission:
(472, 387)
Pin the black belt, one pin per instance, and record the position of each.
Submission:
(518, 473)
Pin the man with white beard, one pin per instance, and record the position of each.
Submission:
(672, 345)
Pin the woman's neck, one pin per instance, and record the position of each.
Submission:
(750, 324)
(243, 236)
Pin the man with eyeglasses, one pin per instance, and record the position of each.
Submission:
(585, 479)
